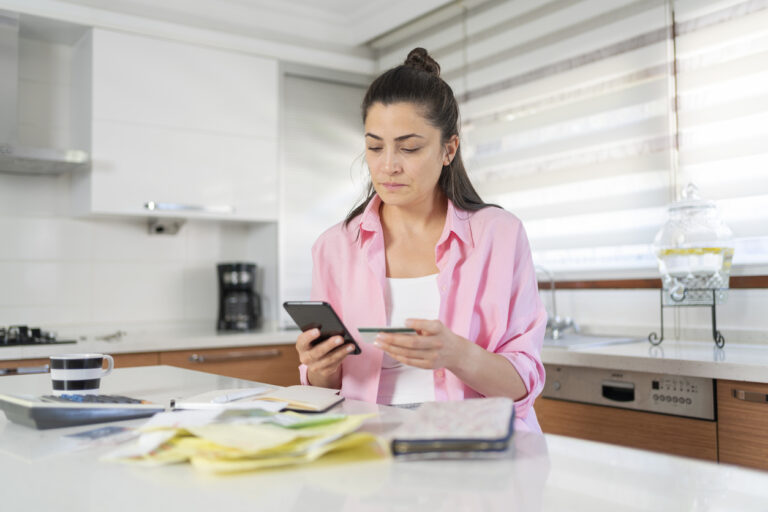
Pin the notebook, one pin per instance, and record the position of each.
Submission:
(442, 429)
(291, 398)
(305, 398)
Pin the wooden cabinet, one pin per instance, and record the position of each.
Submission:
(742, 422)
(272, 364)
(136, 359)
(41, 365)
(189, 128)
(22, 366)
(649, 431)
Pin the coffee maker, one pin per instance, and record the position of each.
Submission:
(239, 303)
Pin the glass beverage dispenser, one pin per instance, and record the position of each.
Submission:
(694, 250)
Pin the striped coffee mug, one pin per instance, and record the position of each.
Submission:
(79, 373)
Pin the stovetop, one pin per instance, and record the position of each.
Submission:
(16, 335)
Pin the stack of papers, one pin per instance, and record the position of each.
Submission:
(237, 440)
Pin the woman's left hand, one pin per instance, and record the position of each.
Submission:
(433, 346)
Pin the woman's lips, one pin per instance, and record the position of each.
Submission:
(393, 186)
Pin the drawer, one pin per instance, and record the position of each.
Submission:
(742, 419)
(23, 366)
(136, 359)
(663, 433)
(271, 364)
(40, 365)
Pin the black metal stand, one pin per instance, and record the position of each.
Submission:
(718, 338)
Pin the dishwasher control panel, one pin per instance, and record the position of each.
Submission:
(692, 397)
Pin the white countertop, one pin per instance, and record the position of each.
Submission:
(541, 473)
(688, 358)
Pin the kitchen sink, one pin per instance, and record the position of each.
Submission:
(569, 340)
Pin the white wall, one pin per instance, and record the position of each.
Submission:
(57, 270)
(741, 319)
(322, 170)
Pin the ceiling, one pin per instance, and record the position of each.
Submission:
(329, 23)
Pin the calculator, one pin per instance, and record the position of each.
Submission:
(54, 411)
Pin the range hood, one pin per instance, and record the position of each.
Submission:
(15, 158)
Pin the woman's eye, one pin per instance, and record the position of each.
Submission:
(410, 150)
(374, 149)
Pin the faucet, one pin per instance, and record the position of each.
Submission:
(555, 324)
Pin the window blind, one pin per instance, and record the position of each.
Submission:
(568, 117)
(722, 51)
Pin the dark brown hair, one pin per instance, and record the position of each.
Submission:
(418, 81)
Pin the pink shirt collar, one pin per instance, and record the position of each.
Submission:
(456, 221)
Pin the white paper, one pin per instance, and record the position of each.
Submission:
(180, 419)
(144, 445)
(250, 403)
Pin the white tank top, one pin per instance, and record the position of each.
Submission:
(416, 297)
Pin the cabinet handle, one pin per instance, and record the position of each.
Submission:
(267, 353)
(177, 207)
(24, 370)
(750, 396)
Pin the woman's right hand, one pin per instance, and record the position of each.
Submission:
(323, 360)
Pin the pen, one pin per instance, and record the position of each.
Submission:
(237, 395)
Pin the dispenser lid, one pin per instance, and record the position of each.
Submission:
(690, 198)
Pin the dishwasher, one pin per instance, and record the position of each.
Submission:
(692, 397)
(654, 411)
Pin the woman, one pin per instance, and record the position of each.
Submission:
(424, 251)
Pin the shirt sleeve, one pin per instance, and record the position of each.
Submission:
(322, 287)
(527, 320)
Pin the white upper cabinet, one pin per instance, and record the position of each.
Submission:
(188, 130)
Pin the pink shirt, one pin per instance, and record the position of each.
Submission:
(488, 294)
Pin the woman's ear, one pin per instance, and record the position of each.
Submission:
(451, 147)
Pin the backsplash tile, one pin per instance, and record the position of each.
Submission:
(138, 292)
(123, 240)
(36, 239)
(44, 283)
(57, 270)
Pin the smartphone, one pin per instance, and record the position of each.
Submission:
(320, 315)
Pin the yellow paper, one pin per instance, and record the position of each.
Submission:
(233, 447)
(248, 438)
(269, 440)
(354, 447)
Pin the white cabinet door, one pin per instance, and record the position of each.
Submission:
(225, 176)
(184, 127)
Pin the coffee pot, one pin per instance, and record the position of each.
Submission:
(239, 303)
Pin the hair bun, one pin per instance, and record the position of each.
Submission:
(418, 58)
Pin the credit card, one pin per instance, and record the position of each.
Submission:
(368, 334)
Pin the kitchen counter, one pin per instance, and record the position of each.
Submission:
(745, 362)
(540, 473)
(154, 340)
(689, 358)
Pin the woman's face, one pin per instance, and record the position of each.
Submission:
(404, 153)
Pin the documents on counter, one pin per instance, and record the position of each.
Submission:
(305, 398)
(235, 440)
(292, 398)
(466, 428)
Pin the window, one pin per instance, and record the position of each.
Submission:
(569, 119)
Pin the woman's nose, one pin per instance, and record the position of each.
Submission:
(391, 162)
